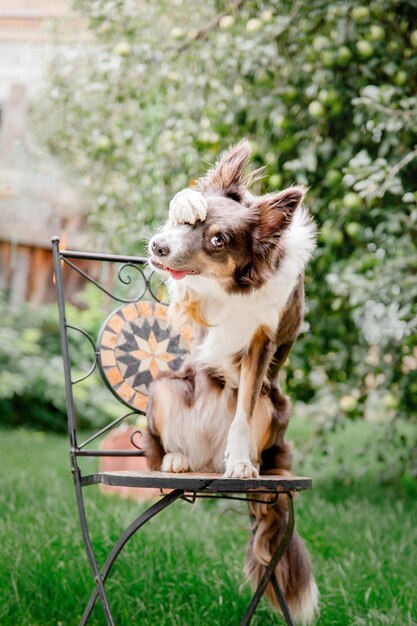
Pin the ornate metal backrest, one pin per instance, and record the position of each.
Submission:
(135, 345)
(135, 342)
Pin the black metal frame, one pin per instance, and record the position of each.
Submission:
(182, 488)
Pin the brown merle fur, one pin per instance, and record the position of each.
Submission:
(252, 228)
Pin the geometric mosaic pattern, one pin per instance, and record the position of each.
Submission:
(135, 344)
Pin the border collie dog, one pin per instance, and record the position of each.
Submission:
(234, 265)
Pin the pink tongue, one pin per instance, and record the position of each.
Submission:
(177, 275)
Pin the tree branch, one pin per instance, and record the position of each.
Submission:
(203, 33)
(381, 108)
(395, 170)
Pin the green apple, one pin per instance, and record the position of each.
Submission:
(403, 26)
(330, 234)
(177, 33)
(352, 200)
(377, 9)
(328, 96)
(348, 404)
(376, 32)
(360, 13)
(262, 77)
(365, 48)
(320, 43)
(353, 229)
(227, 21)
(254, 25)
(123, 48)
(333, 177)
(336, 238)
(400, 78)
(102, 142)
(142, 422)
(327, 58)
(289, 94)
(343, 56)
(267, 15)
(413, 38)
(316, 109)
(275, 181)
(324, 95)
(390, 401)
(282, 122)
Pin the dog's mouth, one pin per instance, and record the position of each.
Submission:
(177, 274)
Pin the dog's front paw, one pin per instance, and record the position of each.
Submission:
(188, 206)
(241, 469)
(175, 463)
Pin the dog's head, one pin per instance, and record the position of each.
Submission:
(219, 230)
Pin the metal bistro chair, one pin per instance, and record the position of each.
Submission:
(134, 344)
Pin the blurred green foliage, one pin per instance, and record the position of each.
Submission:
(327, 94)
(31, 373)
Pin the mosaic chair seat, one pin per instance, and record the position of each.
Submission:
(134, 345)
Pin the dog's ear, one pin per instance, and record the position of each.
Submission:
(274, 213)
(227, 175)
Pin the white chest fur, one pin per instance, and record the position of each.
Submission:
(234, 319)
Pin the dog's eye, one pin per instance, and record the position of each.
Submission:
(217, 240)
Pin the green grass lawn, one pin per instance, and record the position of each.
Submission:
(185, 569)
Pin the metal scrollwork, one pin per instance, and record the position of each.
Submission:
(127, 279)
(149, 281)
(94, 364)
(108, 427)
(132, 439)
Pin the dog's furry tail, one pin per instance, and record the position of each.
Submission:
(294, 569)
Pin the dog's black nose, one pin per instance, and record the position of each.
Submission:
(160, 247)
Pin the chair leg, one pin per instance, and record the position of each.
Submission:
(119, 545)
(269, 572)
(89, 549)
(281, 600)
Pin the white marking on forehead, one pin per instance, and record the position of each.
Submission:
(187, 206)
